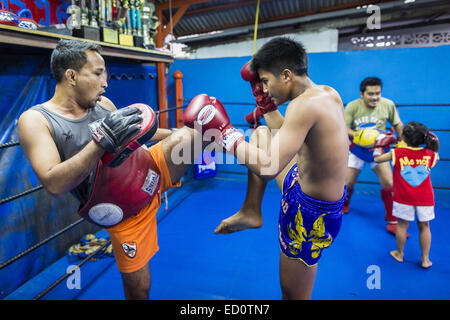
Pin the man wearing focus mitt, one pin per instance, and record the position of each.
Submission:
(78, 142)
(366, 119)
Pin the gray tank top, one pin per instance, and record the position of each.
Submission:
(72, 135)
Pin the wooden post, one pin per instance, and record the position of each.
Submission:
(178, 76)
(161, 72)
(162, 94)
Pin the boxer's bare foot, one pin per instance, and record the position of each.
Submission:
(426, 263)
(397, 255)
(243, 219)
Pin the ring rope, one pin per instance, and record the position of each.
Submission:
(9, 144)
(23, 253)
(54, 284)
(21, 194)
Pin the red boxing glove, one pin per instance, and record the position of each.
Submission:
(205, 113)
(435, 139)
(249, 75)
(384, 139)
(253, 118)
(263, 101)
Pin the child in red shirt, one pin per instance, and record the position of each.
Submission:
(413, 192)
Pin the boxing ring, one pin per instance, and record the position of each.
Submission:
(193, 263)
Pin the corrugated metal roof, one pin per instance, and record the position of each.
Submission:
(223, 14)
(235, 18)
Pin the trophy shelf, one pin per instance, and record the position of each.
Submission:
(45, 40)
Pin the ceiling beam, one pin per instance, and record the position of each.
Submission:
(181, 10)
(223, 7)
(177, 4)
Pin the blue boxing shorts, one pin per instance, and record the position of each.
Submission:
(306, 226)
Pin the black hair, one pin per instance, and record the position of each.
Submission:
(70, 54)
(416, 134)
(370, 81)
(279, 54)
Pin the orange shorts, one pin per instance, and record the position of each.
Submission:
(135, 240)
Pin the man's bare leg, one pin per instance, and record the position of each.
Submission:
(181, 149)
(188, 140)
(249, 216)
(296, 279)
(136, 285)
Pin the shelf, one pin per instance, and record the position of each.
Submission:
(46, 40)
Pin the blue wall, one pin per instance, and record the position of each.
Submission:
(410, 76)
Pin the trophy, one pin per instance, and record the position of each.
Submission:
(93, 14)
(148, 24)
(84, 13)
(138, 39)
(108, 34)
(153, 26)
(153, 31)
(123, 16)
(89, 27)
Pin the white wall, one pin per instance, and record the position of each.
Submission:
(321, 41)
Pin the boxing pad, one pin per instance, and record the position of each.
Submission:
(366, 138)
(121, 192)
(123, 133)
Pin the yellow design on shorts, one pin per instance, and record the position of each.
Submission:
(297, 237)
(316, 236)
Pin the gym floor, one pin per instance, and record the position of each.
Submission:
(193, 263)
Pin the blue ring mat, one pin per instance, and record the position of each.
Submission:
(193, 263)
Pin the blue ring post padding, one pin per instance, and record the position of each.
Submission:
(205, 166)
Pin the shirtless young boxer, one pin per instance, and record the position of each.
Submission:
(307, 156)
